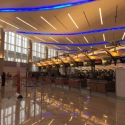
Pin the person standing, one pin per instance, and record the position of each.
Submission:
(3, 76)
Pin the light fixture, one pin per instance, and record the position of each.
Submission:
(56, 46)
(68, 48)
(39, 38)
(104, 37)
(51, 122)
(73, 33)
(54, 39)
(44, 8)
(100, 13)
(73, 21)
(69, 40)
(8, 24)
(79, 48)
(123, 36)
(26, 23)
(80, 44)
(70, 119)
(86, 39)
(48, 23)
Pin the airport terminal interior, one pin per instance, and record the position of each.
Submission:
(62, 62)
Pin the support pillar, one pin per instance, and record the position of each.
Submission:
(46, 49)
(93, 67)
(29, 56)
(1, 50)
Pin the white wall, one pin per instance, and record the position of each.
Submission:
(11, 67)
(13, 70)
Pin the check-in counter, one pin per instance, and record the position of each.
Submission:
(97, 85)
(76, 83)
(59, 81)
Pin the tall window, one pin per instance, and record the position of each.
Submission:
(60, 53)
(15, 47)
(51, 53)
(38, 51)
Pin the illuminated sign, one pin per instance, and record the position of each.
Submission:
(122, 59)
(79, 63)
(67, 64)
(98, 62)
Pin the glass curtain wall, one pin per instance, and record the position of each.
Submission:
(15, 47)
(51, 53)
(38, 52)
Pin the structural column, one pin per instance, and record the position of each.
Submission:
(29, 56)
(1, 50)
(46, 51)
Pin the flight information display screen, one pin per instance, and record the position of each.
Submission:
(98, 62)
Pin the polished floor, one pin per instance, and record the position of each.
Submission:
(56, 106)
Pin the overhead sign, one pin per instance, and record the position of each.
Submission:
(122, 59)
(98, 62)
(79, 64)
(67, 64)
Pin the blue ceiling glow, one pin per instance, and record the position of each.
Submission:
(122, 42)
(87, 44)
(70, 50)
(73, 33)
(44, 8)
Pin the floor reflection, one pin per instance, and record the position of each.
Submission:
(54, 106)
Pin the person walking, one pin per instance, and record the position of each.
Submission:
(3, 76)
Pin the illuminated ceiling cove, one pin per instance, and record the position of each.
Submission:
(74, 33)
(45, 8)
(66, 21)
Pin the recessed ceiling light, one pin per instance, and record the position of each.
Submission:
(26, 23)
(86, 39)
(8, 24)
(123, 36)
(54, 39)
(48, 23)
(100, 13)
(69, 40)
(73, 21)
(104, 37)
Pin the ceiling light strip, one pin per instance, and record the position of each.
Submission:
(74, 33)
(56, 46)
(100, 13)
(26, 23)
(39, 38)
(69, 40)
(123, 36)
(79, 48)
(8, 24)
(54, 39)
(86, 39)
(104, 37)
(44, 8)
(73, 21)
(48, 23)
(68, 48)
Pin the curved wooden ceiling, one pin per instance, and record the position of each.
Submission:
(86, 17)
